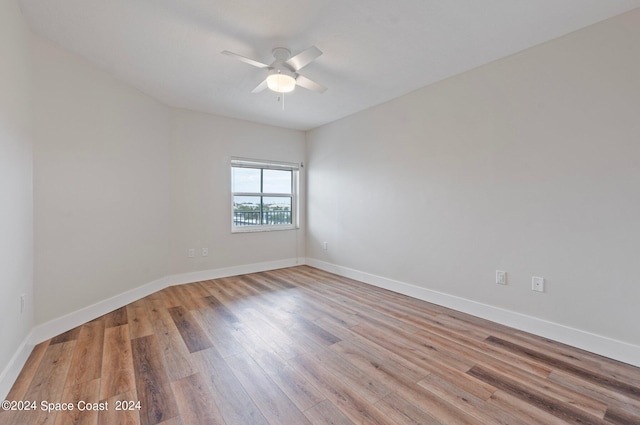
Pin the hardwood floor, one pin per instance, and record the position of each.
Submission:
(300, 346)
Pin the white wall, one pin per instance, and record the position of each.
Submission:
(530, 164)
(101, 184)
(124, 185)
(16, 188)
(200, 180)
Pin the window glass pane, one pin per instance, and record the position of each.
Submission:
(277, 181)
(255, 211)
(246, 211)
(276, 210)
(246, 180)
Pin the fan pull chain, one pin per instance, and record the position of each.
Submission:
(281, 97)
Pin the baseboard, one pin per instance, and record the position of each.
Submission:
(598, 344)
(12, 370)
(611, 348)
(233, 271)
(69, 321)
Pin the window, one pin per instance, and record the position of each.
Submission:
(264, 195)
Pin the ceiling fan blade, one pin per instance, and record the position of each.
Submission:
(308, 84)
(303, 58)
(245, 60)
(261, 86)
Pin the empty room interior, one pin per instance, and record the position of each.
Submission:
(319, 212)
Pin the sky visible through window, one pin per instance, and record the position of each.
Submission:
(247, 180)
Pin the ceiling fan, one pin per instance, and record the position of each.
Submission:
(282, 73)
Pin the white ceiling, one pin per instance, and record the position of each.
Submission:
(374, 50)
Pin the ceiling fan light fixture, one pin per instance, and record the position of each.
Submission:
(281, 83)
(282, 74)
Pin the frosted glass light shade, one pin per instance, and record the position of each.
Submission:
(281, 83)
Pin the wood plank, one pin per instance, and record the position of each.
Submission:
(557, 364)
(219, 334)
(524, 410)
(191, 332)
(117, 372)
(341, 394)
(543, 386)
(214, 304)
(172, 421)
(476, 352)
(255, 281)
(139, 322)
(306, 334)
(172, 348)
(617, 370)
(437, 408)
(454, 324)
(605, 395)
(404, 412)
(87, 357)
(481, 351)
(170, 297)
(232, 400)
(411, 351)
(272, 337)
(120, 417)
(152, 384)
(621, 416)
(196, 403)
(536, 396)
(175, 421)
(315, 332)
(21, 385)
(388, 373)
(70, 335)
(156, 308)
(325, 413)
(270, 399)
(471, 404)
(47, 384)
(414, 371)
(295, 386)
(117, 317)
(371, 388)
(190, 295)
(81, 395)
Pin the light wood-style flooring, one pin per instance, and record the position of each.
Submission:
(300, 346)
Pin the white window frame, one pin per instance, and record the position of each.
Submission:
(266, 165)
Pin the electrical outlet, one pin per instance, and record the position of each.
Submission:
(205, 252)
(325, 246)
(191, 253)
(501, 277)
(537, 284)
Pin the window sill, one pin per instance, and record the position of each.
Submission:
(256, 229)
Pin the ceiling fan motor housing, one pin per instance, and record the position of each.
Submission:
(281, 78)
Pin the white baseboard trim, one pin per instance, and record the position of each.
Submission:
(69, 321)
(12, 370)
(598, 344)
(179, 279)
